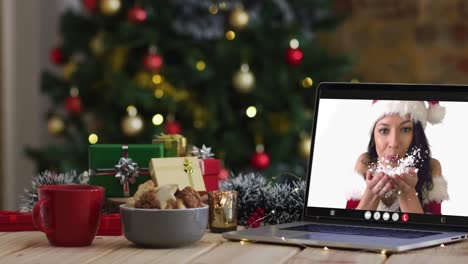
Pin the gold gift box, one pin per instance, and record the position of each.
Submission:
(174, 145)
(184, 171)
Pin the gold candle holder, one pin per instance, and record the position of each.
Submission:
(223, 211)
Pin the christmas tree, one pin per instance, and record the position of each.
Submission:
(236, 76)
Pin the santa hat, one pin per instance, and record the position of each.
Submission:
(433, 114)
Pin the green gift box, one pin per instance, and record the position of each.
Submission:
(103, 159)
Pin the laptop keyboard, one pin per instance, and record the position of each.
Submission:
(361, 231)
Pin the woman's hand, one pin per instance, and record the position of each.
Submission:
(407, 182)
(408, 197)
(379, 184)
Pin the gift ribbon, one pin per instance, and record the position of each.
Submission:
(189, 170)
(202, 166)
(202, 153)
(168, 138)
(125, 171)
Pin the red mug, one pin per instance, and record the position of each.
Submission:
(69, 214)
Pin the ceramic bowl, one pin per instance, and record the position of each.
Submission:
(163, 227)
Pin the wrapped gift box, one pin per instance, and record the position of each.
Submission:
(16, 221)
(210, 169)
(104, 157)
(110, 225)
(184, 171)
(174, 145)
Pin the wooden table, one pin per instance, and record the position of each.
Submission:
(32, 247)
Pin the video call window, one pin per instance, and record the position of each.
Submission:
(390, 155)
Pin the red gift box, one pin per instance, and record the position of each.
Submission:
(210, 169)
(110, 225)
(16, 221)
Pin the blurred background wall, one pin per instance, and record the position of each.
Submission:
(423, 41)
(28, 29)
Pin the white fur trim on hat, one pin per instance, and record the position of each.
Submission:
(439, 191)
(434, 114)
(355, 187)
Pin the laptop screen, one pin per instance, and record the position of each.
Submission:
(390, 153)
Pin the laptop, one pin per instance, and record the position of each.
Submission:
(344, 207)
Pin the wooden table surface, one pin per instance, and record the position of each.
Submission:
(33, 247)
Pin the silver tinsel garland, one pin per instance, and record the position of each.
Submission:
(30, 197)
(281, 202)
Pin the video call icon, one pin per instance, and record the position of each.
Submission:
(405, 217)
(367, 215)
(386, 216)
(395, 217)
(377, 215)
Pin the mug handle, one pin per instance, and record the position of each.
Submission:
(37, 218)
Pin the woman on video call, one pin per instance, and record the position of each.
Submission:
(398, 170)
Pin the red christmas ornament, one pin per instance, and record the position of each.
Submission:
(294, 56)
(136, 14)
(73, 105)
(260, 160)
(90, 5)
(56, 56)
(152, 62)
(172, 127)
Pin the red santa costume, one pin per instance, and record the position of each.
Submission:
(433, 114)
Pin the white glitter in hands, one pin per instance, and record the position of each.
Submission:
(404, 164)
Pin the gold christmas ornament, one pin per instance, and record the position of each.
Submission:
(69, 69)
(97, 44)
(304, 147)
(307, 82)
(158, 93)
(110, 7)
(230, 35)
(244, 80)
(157, 79)
(239, 18)
(55, 125)
(200, 65)
(132, 125)
(213, 9)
